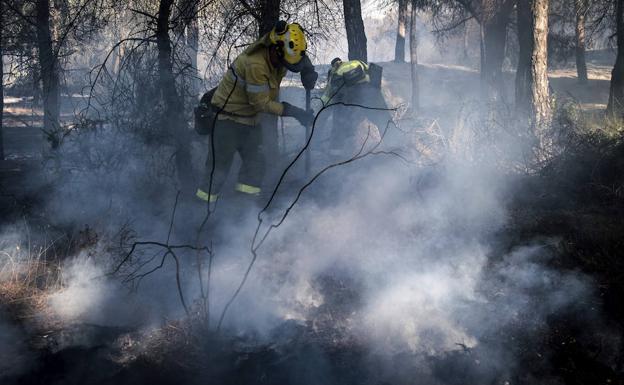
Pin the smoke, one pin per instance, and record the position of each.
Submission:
(90, 296)
(399, 274)
(405, 260)
(401, 258)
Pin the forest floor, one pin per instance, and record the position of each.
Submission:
(578, 200)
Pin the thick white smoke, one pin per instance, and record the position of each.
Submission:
(417, 246)
(399, 256)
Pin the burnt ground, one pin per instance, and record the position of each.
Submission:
(569, 348)
(581, 209)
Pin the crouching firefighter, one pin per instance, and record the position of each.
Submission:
(358, 83)
(249, 87)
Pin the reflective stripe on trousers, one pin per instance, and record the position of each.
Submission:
(201, 194)
(247, 189)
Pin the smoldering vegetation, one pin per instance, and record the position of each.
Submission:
(384, 271)
(450, 252)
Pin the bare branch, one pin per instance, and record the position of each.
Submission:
(255, 244)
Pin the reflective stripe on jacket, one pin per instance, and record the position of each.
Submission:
(257, 85)
(335, 79)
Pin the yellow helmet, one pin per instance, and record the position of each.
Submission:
(291, 42)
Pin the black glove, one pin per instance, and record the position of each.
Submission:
(308, 79)
(308, 74)
(304, 117)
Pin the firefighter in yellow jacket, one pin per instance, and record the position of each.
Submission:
(358, 83)
(251, 86)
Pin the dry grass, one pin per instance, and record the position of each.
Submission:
(26, 280)
(594, 72)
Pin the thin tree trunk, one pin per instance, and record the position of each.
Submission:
(399, 47)
(414, 58)
(493, 39)
(192, 44)
(615, 107)
(580, 8)
(466, 41)
(356, 36)
(173, 117)
(493, 22)
(524, 77)
(187, 34)
(269, 16)
(35, 67)
(541, 108)
(165, 63)
(117, 54)
(1, 83)
(49, 74)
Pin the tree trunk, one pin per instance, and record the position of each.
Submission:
(117, 55)
(192, 44)
(541, 108)
(580, 8)
(165, 63)
(494, 20)
(532, 92)
(49, 74)
(59, 15)
(173, 116)
(466, 42)
(524, 77)
(187, 32)
(615, 109)
(356, 36)
(414, 59)
(35, 68)
(269, 15)
(399, 47)
(1, 83)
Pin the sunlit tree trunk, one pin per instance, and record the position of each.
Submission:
(399, 47)
(532, 93)
(616, 93)
(49, 73)
(580, 9)
(173, 116)
(354, 25)
(541, 104)
(414, 58)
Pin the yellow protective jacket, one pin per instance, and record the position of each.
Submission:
(335, 80)
(250, 86)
